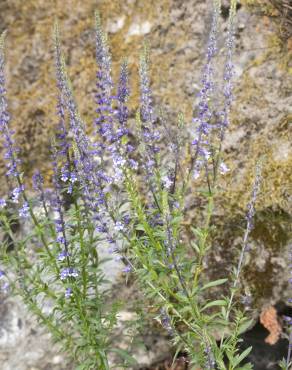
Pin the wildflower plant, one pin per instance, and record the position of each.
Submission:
(171, 271)
(130, 197)
(57, 264)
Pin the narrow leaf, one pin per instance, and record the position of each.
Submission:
(239, 358)
(214, 283)
(219, 302)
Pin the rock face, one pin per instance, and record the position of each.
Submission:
(24, 345)
(177, 31)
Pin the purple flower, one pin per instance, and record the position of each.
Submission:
(228, 75)
(130, 148)
(255, 191)
(16, 193)
(24, 210)
(70, 189)
(146, 104)
(102, 228)
(126, 219)
(210, 361)
(150, 134)
(133, 164)
(62, 256)
(59, 225)
(5, 287)
(127, 269)
(73, 177)
(104, 84)
(58, 204)
(11, 151)
(84, 162)
(65, 173)
(203, 119)
(288, 319)
(166, 321)
(60, 239)
(150, 164)
(37, 180)
(68, 272)
(122, 97)
(2, 203)
(167, 182)
(68, 293)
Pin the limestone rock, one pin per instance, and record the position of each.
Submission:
(177, 31)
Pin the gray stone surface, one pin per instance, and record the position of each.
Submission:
(177, 30)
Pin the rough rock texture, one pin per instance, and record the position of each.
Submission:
(24, 345)
(177, 31)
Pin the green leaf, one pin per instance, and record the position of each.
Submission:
(176, 220)
(195, 247)
(237, 360)
(140, 227)
(245, 325)
(248, 367)
(283, 364)
(179, 348)
(153, 275)
(198, 232)
(214, 283)
(219, 302)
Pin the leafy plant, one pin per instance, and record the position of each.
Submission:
(131, 196)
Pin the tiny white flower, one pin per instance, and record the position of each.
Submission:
(223, 168)
(166, 182)
(119, 226)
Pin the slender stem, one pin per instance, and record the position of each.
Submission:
(289, 350)
(37, 225)
(248, 229)
(202, 244)
(82, 247)
(180, 278)
(38, 312)
(238, 270)
(16, 243)
(173, 309)
(236, 280)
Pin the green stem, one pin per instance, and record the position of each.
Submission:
(39, 228)
(82, 248)
(204, 239)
